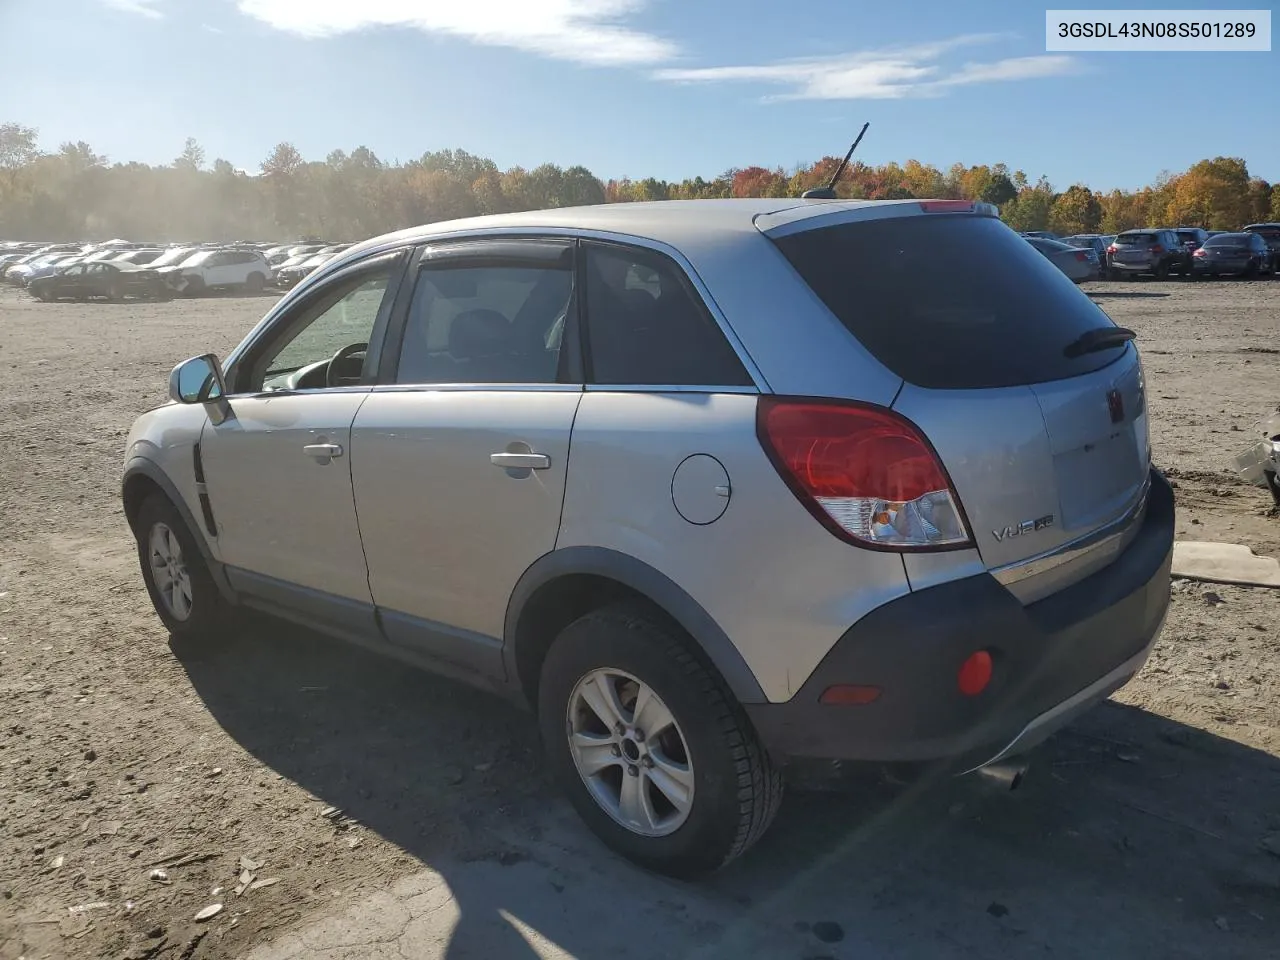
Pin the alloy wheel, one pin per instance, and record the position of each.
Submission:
(630, 752)
(169, 571)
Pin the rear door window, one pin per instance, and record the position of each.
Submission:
(647, 326)
(492, 317)
(950, 302)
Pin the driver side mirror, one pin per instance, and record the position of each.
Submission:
(198, 380)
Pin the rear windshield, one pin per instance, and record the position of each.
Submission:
(1189, 235)
(949, 302)
(1228, 240)
(1271, 233)
(1135, 239)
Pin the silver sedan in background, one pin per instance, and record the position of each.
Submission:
(1078, 263)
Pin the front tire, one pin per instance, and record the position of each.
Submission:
(682, 798)
(177, 578)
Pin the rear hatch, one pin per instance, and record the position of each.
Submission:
(1134, 247)
(1044, 444)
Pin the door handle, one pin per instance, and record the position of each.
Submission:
(520, 461)
(323, 451)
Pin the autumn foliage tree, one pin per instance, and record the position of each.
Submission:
(74, 192)
(1075, 211)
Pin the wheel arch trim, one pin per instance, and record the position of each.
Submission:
(142, 467)
(651, 584)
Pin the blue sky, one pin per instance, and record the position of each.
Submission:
(667, 88)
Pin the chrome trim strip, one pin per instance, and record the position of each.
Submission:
(485, 387)
(667, 388)
(1125, 524)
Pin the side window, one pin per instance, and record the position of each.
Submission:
(339, 316)
(487, 322)
(646, 325)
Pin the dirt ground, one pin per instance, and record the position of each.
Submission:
(321, 775)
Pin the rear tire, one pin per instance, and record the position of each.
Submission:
(1162, 271)
(735, 789)
(173, 568)
(255, 283)
(195, 287)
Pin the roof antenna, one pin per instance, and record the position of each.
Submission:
(829, 191)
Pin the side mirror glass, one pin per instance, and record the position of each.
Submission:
(198, 380)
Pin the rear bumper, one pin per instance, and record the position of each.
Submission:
(1221, 266)
(1053, 660)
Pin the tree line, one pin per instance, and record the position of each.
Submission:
(74, 192)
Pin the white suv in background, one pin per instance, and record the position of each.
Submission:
(245, 270)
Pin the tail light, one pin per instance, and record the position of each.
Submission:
(1200, 252)
(866, 473)
(1082, 256)
(1157, 249)
(1112, 249)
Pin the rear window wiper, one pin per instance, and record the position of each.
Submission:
(1097, 339)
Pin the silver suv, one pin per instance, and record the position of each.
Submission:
(712, 486)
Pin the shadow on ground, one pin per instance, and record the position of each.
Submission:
(1133, 836)
(1125, 295)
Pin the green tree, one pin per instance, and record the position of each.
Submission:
(1030, 209)
(998, 189)
(192, 156)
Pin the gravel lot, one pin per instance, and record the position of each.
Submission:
(1152, 828)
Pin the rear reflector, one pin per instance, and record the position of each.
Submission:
(849, 694)
(864, 472)
(975, 674)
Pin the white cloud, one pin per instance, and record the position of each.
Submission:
(207, 28)
(593, 32)
(890, 73)
(1015, 68)
(146, 8)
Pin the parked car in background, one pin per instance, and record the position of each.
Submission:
(84, 281)
(1095, 242)
(1191, 238)
(1078, 263)
(1229, 254)
(596, 433)
(12, 265)
(1041, 234)
(290, 275)
(1157, 252)
(23, 274)
(219, 269)
(139, 257)
(1270, 232)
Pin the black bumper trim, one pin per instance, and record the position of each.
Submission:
(1045, 653)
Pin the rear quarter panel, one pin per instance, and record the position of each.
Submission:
(780, 586)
